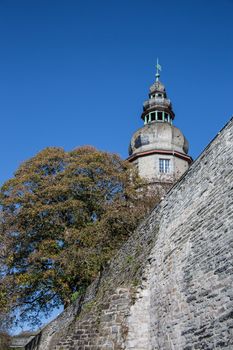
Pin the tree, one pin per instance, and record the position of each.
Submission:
(63, 215)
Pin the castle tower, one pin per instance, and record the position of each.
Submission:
(159, 150)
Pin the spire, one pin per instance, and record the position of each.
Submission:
(158, 68)
(158, 107)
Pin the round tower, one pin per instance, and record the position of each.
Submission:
(159, 150)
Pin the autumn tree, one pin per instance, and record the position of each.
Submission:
(63, 215)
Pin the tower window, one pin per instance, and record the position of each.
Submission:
(164, 165)
(160, 116)
(152, 116)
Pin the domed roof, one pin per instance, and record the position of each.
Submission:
(157, 87)
(158, 136)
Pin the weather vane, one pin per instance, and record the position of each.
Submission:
(158, 68)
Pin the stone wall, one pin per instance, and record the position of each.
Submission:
(101, 322)
(190, 278)
(170, 286)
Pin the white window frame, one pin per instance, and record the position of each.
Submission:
(164, 165)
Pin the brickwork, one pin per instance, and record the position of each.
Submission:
(170, 286)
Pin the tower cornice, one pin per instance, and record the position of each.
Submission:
(160, 151)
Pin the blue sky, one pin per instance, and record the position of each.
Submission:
(77, 72)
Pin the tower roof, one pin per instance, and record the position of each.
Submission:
(158, 107)
(157, 87)
(158, 136)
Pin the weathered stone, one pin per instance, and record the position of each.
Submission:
(176, 291)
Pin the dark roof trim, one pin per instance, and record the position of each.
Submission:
(160, 151)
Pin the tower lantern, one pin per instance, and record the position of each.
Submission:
(159, 149)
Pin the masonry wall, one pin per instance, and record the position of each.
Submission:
(171, 285)
(190, 279)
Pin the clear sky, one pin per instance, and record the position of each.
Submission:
(76, 72)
